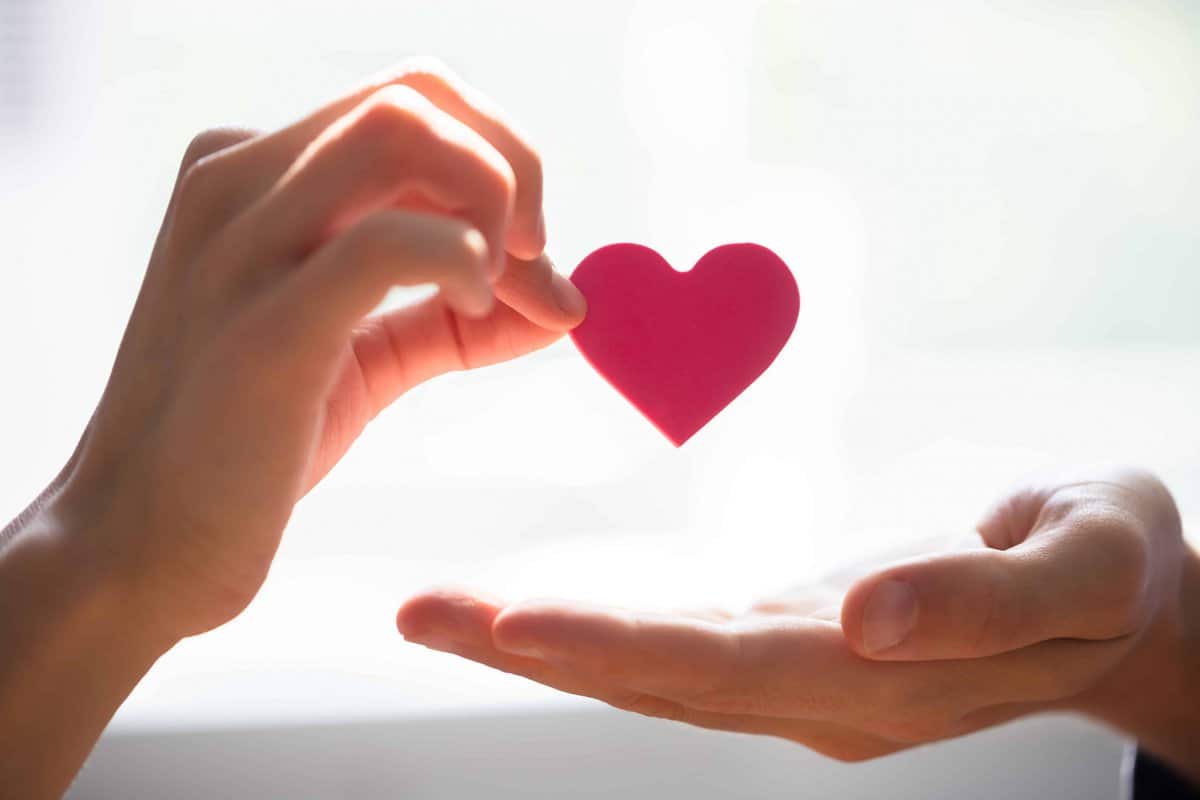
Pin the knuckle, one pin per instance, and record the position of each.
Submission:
(535, 166)
(1011, 519)
(503, 183)
(424, 67)
(425, 73)
(433, 79)
(210, 142)
(201, 189)
(397, 121)
(496, 175)
(532, 175)
(208, 186)
(494, 183)
(1121, 542)
(392, 118)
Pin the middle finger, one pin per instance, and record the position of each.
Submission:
(396, 145)
(261, 162)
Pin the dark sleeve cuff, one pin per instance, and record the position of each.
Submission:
(1147, 778)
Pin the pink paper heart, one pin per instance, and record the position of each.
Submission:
(680, 346)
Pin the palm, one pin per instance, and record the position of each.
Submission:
(1065, 608)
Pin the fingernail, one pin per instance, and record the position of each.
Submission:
(889, 616)
(568, 297)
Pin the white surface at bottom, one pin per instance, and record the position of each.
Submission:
(588, 753)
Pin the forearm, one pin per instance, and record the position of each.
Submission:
(71, 649)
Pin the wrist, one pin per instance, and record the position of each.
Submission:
(1179, 742)
(72, 647)
(101, 588)
(1156, 698)
(92, 538)
(64, 593)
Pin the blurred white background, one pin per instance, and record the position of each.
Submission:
(992, 209)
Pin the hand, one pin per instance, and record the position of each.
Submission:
(1083, 598)
(250, 363)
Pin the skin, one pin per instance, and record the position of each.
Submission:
(1081, 595)
(250, 364)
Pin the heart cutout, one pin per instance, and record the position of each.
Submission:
(680, 346)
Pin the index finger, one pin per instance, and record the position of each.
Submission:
(527, 237)
(268, 157)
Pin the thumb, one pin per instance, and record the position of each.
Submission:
(540, 294)
(1083, 581)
